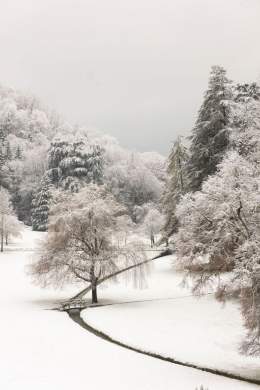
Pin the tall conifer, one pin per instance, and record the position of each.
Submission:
(210, 136)
(176, 185)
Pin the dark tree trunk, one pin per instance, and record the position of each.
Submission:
(2, 242)
(94, 293)
(152, 240)
(93, 283)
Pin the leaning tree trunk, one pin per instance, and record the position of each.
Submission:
(81, 294)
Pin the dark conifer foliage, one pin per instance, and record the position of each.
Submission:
(247, 91)
(210, 136)
(41, 205)
(176, 185)
(73, 163)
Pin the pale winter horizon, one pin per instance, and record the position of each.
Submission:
(134, 69)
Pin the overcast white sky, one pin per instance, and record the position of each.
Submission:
(136, 69)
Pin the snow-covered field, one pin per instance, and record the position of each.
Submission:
(175, 324)
(44, 350)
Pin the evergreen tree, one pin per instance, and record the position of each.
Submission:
(2, 134)
(2, 158)
(6, 125)
(243, 92)
(2, 153)
(18, 153)
(176, 185)
(73, 163)
(3, 167)
(58, 151)
(8, 152)
(41, 205)
(210, 138)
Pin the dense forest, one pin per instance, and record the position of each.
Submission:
(40, 154)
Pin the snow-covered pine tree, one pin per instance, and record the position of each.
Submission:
(176, 185)
(2, 152)
(8, 151)
(245, 91)
(210, 138)
(41, 205)
(3, 167)
(95, 164)
(3, 133)
(83, 165)
(59, 150)
(73, 163)
(18, 153)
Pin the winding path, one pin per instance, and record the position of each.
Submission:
(74, 314)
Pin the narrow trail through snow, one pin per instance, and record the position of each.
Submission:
(74, 314)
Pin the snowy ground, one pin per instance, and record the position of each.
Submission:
(199, 331)
(43, 349)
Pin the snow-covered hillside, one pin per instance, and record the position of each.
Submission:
(43, 349)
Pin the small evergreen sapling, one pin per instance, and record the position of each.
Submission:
(41, 205)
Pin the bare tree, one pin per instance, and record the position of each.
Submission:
(153, 224)
(81, 245)
(12, 228)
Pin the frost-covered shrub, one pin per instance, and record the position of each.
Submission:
(153, 223)
(132, 183)
(219, 232)
(215, 221)
(245, 116)
(9, 224)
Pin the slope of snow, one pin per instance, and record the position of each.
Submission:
(44, 350)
